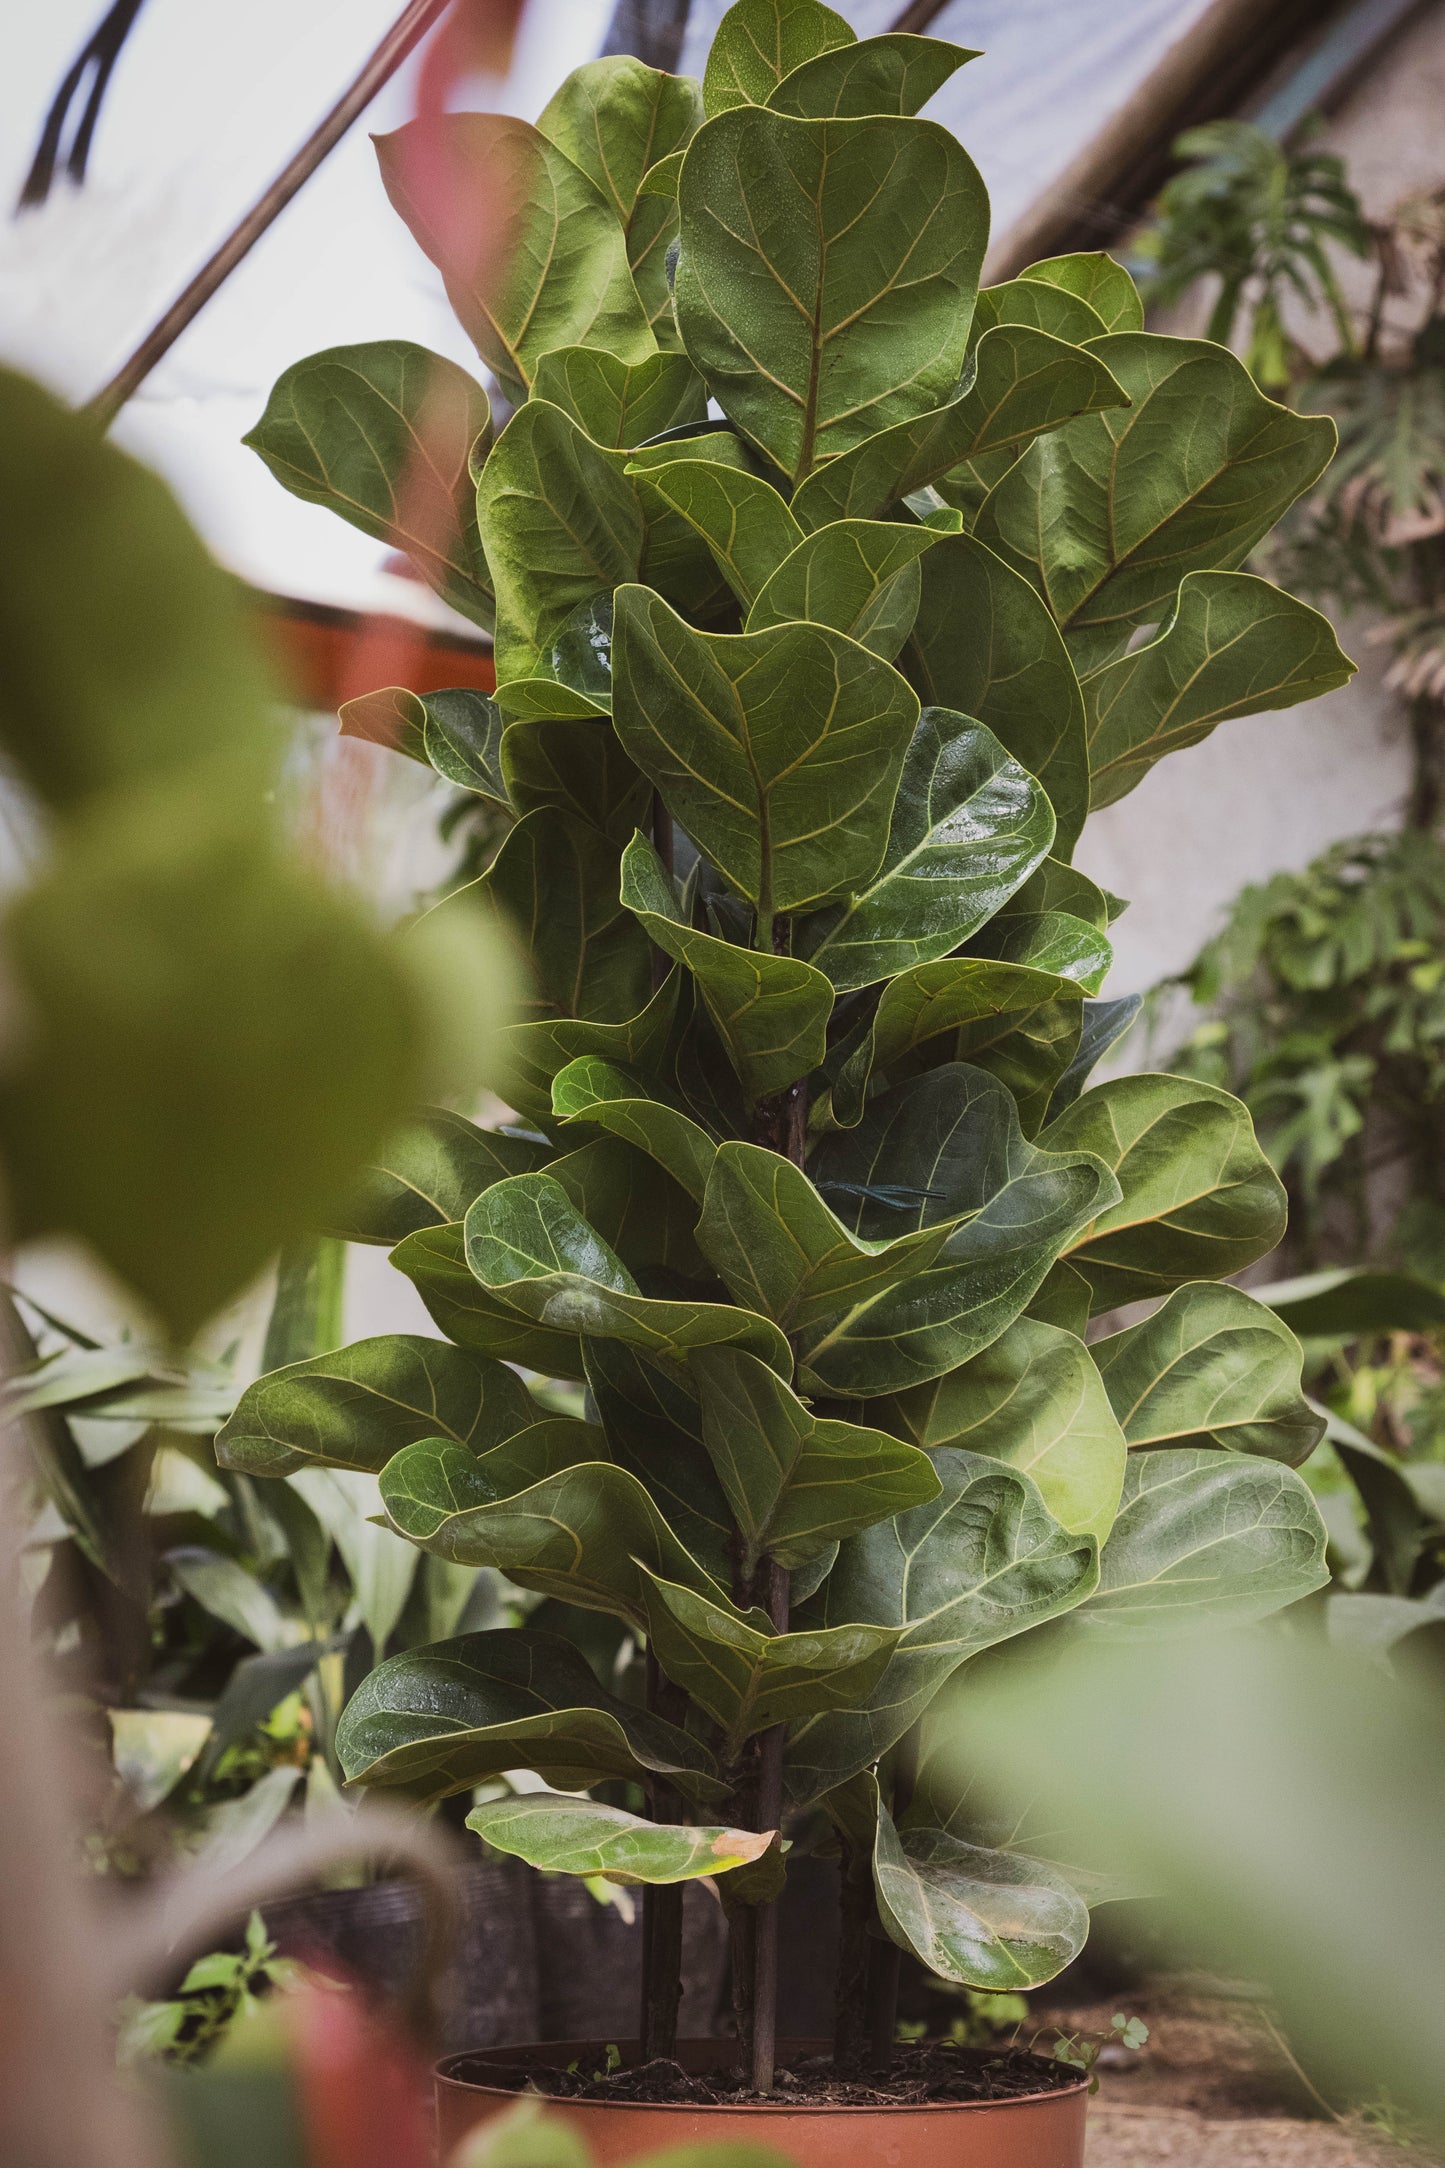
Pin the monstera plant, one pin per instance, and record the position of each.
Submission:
(829, 594)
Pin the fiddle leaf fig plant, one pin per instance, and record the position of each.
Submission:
(829, 593)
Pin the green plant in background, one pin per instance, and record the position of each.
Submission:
(800, 713)
(217, 1991)
(1261, 219)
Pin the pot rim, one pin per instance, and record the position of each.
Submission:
(780, 2108)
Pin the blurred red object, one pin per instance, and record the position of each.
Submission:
(363, 2086)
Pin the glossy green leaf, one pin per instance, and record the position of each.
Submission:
(429, 1174)
(579, 769)
(560, 524)
(1054, 941)
(1029, 1054)
(1035, 1400)
(527, 1246)
(1096, 278)
(1105, 516)
(746, 525)
(358, 1406)
(749, 1677)
(555, 881)
(1020, 382)
(927, 1000)
(759, 43)
(1039, 306)
(782, 1251)
(946, 1143)
(859, 576)
(1211, 1366)
(653, 1425)
(546, 700)
(1202, 1536)
(619, 403)
(614, 118)
(771, 212)
(381, 434)
(444, 1718)
(984, 644)
(434, 1260)
(1103, 1025)
(894, 74)
(778, 752)
(534, 1052)
(582, 1836)
(982, 1562)
(771, 1012)
(600, 1093)
(1199, 1198)
(583, 1534)
(796, 1482)
(531, 251)
(1235, 646)
(992, 1920)
(969, 827)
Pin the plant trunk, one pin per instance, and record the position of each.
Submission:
(661, 1905)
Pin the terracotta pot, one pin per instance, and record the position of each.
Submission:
(1038, 2130)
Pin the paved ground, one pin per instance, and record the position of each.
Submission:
(1181, 2138)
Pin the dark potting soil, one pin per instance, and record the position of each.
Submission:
(931, 2071)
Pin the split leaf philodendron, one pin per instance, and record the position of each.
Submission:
(851, 589)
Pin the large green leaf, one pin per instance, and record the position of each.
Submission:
(355, 1408)
(582, 1836)
(1031, 1054)
(771, 1012)
(969, 827)
(634, 1205)
(1199, 1199)
(653, 1425)
(429, 1174)
(444, 1718)
(1035, 1400)
(560, 524)
(598, 1092)
(813, 324)
(744, 523)
(614, 118)
(577, 767)
(531, 251)
(984, 1561)
(796, 1482)
(1202, 1535)
(1235, 646)
(895, 74)
(859, 575)
(927, 1000)
(946, 1143)
(983, 643)
(434, 1260)
(993, 1920)
(1038, 306)
(779, 752)
(750, 1677)
(529, 1248)
(1211, 1366)
(782, 1251)
(381, 434)
(1096, 278)
(1346, 1304)
(759, 43)
(1019, 382)
(619, 403)
(555, 880)
(534, 1052)
(1107, 514)
(583, 1534)
(1054, 941)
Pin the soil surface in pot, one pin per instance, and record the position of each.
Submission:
(924, 2073)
